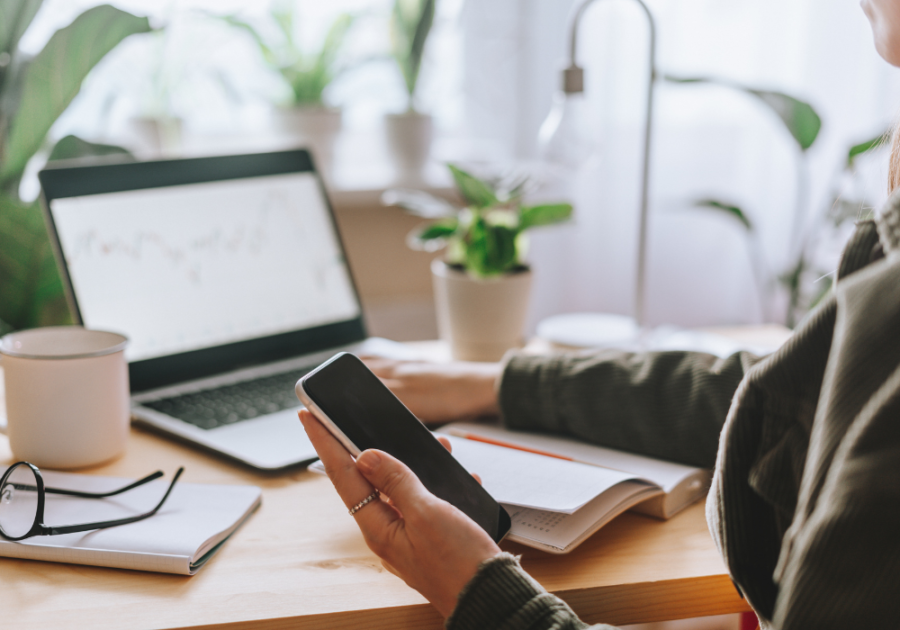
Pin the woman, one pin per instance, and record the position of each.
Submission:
(805, 503)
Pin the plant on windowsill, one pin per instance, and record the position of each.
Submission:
(307, 75)
(482, 286)
(410, 133)
(33, 93)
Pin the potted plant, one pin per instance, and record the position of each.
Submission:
(33, 94)
(410, 133)
(481, 288)
(307, 74)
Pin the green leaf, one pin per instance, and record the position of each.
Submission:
(53, 79)
(31, 292)
(476, 192)
(442, 229)
(799, 117)
(267, 53)
(729, 209)
(15, 18)
(534, 216)
(73, 147)
(411, 22)
(864, 147)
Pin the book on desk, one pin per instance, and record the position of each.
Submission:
(194, 523)
(559, 491)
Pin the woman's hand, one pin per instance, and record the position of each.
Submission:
(441, 392)
(428, 543)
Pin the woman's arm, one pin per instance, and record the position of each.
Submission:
(670, 405)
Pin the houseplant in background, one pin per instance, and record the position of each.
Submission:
(808, 278)
(33, 93)
(410, 133)
(482, 286)
(305, 114)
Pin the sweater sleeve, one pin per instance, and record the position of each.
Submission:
(502, 596)
(669, 405)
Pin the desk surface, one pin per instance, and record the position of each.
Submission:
(300, 561)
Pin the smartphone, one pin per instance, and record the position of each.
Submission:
(361, 412)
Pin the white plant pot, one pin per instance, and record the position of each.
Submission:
(156, 137)
(409, 138)
(480, 319)
(314, 126)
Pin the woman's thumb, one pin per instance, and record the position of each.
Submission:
(391, 477)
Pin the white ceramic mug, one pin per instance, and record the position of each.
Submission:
(67, 401)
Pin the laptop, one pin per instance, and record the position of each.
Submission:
(228, 276)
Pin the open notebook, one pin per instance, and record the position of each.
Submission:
(560, 491)
(190, 528)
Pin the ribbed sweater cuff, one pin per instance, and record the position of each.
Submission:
(498, 591)
(527, 393)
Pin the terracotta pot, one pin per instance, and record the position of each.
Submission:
(481, 319)
(316, 127)
(409, 137)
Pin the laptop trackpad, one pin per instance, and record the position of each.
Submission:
(272, 441)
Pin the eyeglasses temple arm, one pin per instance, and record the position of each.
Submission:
(102, 495)
(71, 529)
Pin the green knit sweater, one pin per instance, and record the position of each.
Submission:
(805, 502)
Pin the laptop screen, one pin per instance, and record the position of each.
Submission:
(195, 266)
(208, 265)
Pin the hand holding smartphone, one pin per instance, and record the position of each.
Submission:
(362, 413)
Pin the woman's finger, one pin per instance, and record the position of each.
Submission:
(348, 481)
(395, 479)
(446, 442)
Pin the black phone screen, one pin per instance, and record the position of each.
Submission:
(372, 417)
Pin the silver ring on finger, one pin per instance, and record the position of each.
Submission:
(356, 508)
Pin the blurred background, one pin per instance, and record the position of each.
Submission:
(201, 83)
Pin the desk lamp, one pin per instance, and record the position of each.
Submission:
(564, 143)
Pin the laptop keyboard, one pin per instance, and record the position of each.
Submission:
(211, 408)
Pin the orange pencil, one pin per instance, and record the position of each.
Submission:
(479, 438)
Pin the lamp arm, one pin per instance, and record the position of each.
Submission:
(641, 275)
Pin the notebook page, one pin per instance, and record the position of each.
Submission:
(527, 480)
(560, 531)
(194, 518)
(667, 475)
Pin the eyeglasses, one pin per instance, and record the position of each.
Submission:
(22, 498)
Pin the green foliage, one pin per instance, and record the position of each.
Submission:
(477, 193)
(411, 22)
(864, 147)
(727, 208)
(54, 77)
(799, 118)
(486, 236)
(31, 292)
(73, 148)
(307, 74)
(32, 96)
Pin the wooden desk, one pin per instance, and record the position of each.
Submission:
(300, 562)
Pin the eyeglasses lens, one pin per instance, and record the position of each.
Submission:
(18, 501)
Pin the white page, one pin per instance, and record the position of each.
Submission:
(667, 475)
(524, 479)
(561, 530)
(192, 520)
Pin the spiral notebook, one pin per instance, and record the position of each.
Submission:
(190, 528)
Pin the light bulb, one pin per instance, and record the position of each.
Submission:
(565, 138)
